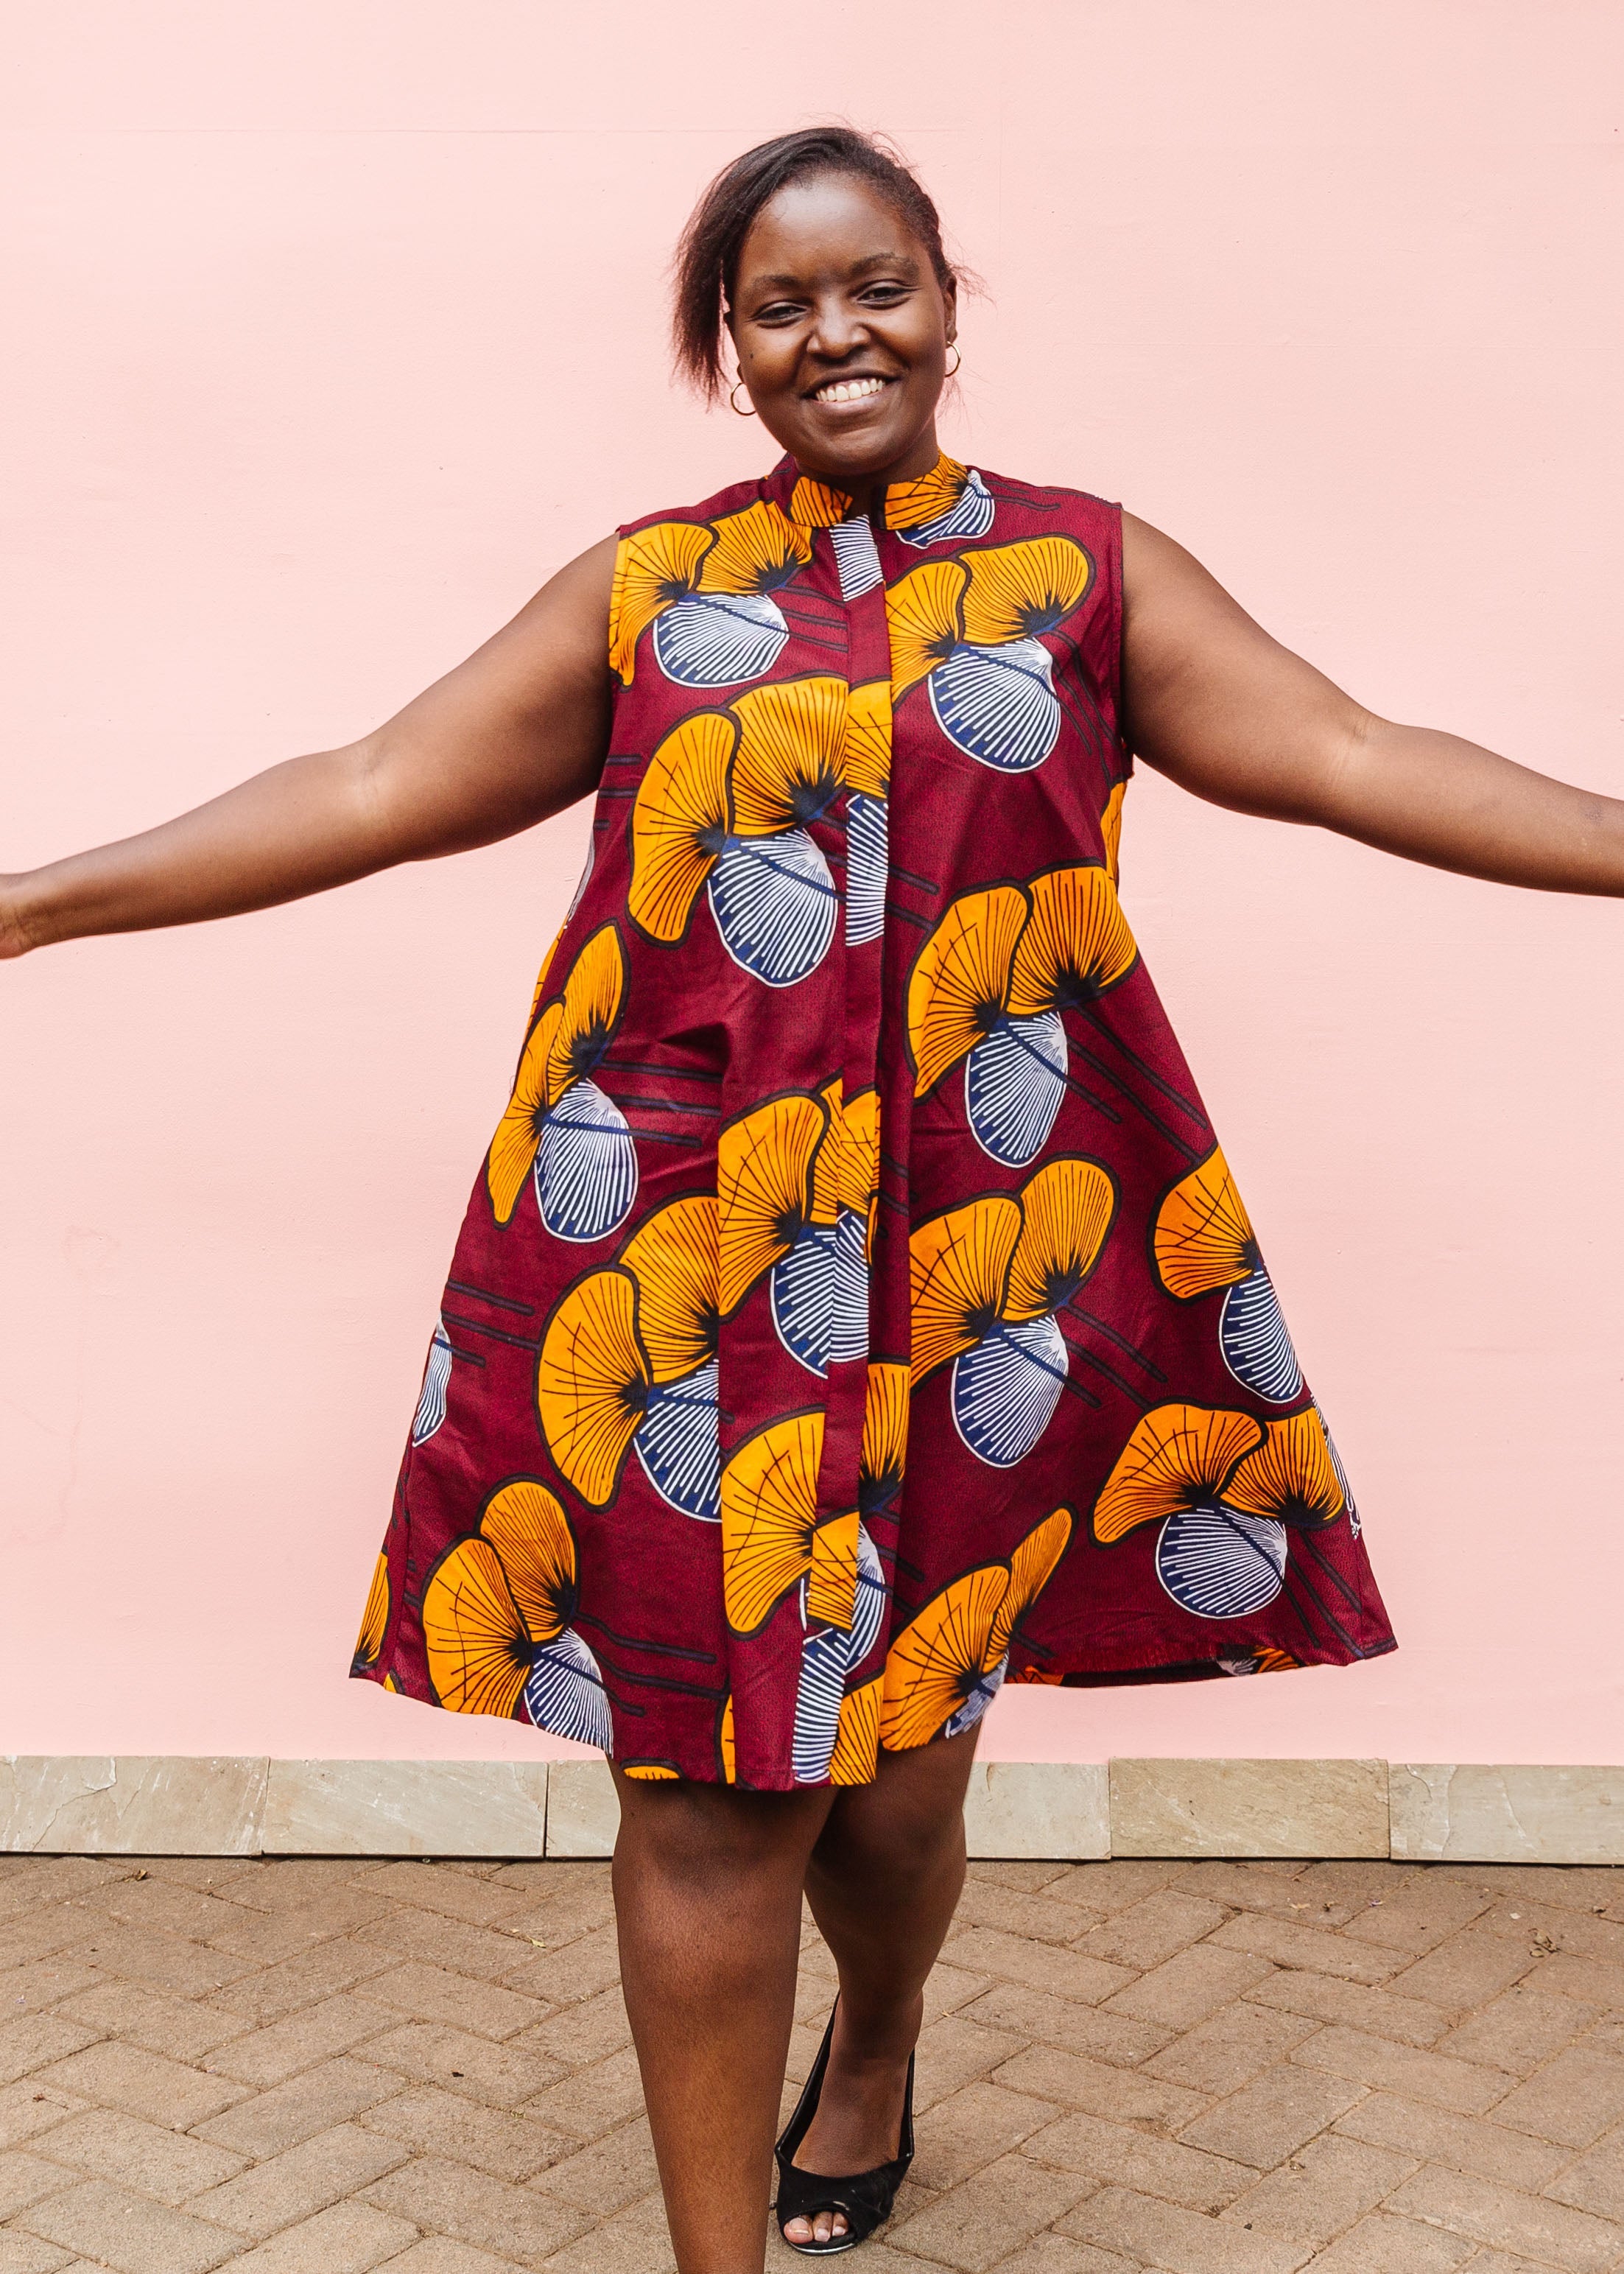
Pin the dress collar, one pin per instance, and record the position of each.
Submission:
(816, 505)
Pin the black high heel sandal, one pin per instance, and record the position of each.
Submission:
(865, 2200)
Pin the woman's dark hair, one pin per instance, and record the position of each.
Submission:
(708, 251)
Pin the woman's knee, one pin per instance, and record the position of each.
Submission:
(901, 1833)
(705, 1837)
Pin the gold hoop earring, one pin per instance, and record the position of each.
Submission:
(733, 399)
(954, 372)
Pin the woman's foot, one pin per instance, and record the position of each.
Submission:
(858, 2123)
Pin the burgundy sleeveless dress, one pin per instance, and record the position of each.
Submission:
(854, 1310)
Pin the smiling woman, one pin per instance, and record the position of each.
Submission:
(854, 1310)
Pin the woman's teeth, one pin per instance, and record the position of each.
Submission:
(849, 390)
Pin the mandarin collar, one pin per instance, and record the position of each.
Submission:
(813, 504)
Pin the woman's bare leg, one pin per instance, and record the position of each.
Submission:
(707, 1893)
(882, 1882)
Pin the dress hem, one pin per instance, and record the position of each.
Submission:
(1030, 1674)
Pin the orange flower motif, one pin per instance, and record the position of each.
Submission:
(797, 1189)
(680, 822)
(1202, 1241)
(771, 1537)
(673, 575)
(971, 628)
(672, 1257)
(1110, 833)
(1226, 1490)
(792, 742)
(560, 1125)
(925, 615)
(960, 980)
(908, 504)
(653, 569)
(1017, 591)
(758, 550)
(857, 1743)
(990, 988)
(497, 1619)
(816, 505)
(627, 1361)
(1178, 1457)
(1291, 1477)
(768, 1193)
(945, 1667)
(950, 502)
(374, 1618)
(960, 1265)
(724, 807)
(1203, 1236)
(866, 759)
(1011, 1359)
(883, 1460)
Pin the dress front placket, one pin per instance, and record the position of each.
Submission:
(863, 595)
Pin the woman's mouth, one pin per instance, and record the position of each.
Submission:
(850, 390)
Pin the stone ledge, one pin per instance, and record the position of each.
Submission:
(583, 1809)
(405, 1808)
(247, 1806)
(1028, 1809)
(1249, 1808)
(1481, 1815)
(1039, 1812)
(131, 1804)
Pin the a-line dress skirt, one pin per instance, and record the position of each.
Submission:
(854, 1310)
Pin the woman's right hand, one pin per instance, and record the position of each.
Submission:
(516, 734)
(14, 939)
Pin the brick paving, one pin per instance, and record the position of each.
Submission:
(311, 2067)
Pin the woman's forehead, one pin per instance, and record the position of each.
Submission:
(830, 223)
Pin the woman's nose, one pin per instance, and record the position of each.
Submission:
(835, 331)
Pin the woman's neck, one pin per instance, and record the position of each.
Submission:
(865, 489)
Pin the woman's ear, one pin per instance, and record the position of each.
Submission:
(950, 312)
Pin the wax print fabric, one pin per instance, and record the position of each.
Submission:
(856, 1310)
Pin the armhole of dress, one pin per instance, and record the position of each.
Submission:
(1124, 756)
(616, 584)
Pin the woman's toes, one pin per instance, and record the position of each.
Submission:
(826, 2227)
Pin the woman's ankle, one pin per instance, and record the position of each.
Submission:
(866, 2036)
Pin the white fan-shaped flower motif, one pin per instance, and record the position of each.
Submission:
(857, 557)
(564, 1692)
(431, 1412)
(774, 902)
(971, 515)
(1005, 1389)
(829, 1656)
(719, 639)
(1220, 1562)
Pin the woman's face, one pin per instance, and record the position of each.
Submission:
(842, 332)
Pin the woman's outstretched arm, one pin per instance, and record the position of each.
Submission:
(515, 734)
(1213, 702)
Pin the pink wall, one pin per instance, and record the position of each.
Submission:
(335, 327)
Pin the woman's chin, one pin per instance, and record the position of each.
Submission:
(852, 443)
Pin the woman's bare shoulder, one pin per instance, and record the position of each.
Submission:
(573, 605)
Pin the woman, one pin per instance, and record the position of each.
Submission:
(845, 1104)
